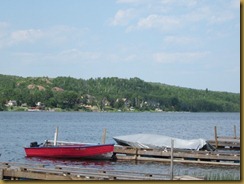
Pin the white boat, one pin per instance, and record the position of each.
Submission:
(153, 141)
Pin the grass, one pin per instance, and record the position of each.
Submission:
(222, 176)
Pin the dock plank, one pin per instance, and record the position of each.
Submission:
(22, 171)
(186, 177)
(184, 156)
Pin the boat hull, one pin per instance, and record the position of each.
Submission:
(70, 151)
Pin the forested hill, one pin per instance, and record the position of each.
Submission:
(110, 94)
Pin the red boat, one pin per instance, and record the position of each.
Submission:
(63, 149)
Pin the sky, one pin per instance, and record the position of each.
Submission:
(187, 43)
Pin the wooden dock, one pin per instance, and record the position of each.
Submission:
(180, 156)
(227, 153)
(17, 171)
(224, 142)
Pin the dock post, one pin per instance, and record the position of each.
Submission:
(171, 160)
(55, 137)
(1, 174)
(216, 137)
(104, 136)
(234, 131)
(136, 155)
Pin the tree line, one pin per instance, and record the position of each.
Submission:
(112, 94)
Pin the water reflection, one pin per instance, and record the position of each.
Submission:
(69, 162)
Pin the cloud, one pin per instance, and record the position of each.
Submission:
(187, 3)
(180, 40)
(29, 35)
(163, 23)
(53, 36)
(3, 33)
(221, 17)
(159, 2)
(62, 35)
(235, 4)
(178, 57)
(167, 15)
(75, 54)
(122, 17)
(196, 15)
(131, 1)
(210, 15)
(70, 56)
(3, 25)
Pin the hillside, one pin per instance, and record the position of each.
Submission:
(110, 94)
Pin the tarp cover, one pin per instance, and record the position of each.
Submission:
(159, 141)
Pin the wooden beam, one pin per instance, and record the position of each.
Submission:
(1, 173)
(234, 131)
(216, 137)
(189, 156)
(70, 173)
(55, 137)
(171, 159)
(104, 136)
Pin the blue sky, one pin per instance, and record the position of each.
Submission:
(187, 43)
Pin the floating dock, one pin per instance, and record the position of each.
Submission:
(227, 153)
(179, 156)
(17, 171)
(224, 142)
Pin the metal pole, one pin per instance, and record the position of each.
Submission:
(171, 160)
(55, 137)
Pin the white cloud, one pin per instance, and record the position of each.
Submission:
(3, 33)
(210, 15)
(166, 15)
(29, 58)
(163, 23)
(197, 14)
(122, 17)
(55, 36)
(180, 40)
(221, 17)
(3, 25)
(178, 57)
(131, 58)
(75, 54)
(235, 4)
(189, 3)
(160, 2)
(70, 56)
(29, 35)
(131, 1)
(64, 33)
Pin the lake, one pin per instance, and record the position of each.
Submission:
(18, 129)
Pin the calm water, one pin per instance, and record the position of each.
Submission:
(18, 129)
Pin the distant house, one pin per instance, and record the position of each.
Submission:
(11, 103)
(24, 105)
(40, 105)
(158, 110)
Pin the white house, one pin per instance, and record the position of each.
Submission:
(11, 103)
